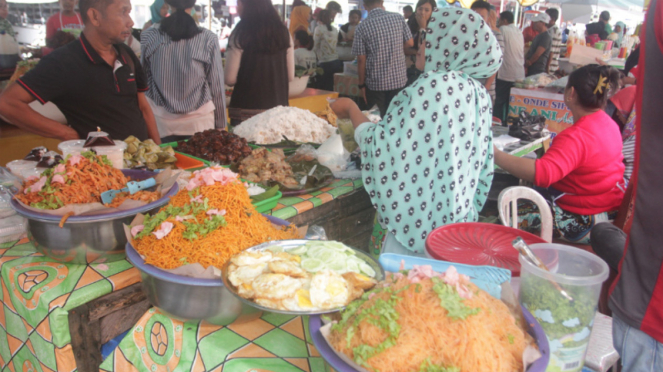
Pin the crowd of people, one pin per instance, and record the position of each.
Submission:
(435, 76)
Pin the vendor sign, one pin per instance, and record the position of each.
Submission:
(539, 102)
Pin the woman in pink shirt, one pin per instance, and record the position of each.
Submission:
(583, 171)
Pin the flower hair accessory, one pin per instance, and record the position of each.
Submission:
(603, 83)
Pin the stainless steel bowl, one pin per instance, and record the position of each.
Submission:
(188, 298)
(84, 239)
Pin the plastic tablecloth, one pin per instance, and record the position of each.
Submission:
(291, 206)
(272, 342)
(37, 294)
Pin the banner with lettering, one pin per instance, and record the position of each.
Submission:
(539, 102)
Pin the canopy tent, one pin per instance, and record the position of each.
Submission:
(584, 11)
(32, 1)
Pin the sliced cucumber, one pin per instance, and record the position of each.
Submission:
(366, 269)
(275, 248)
(312, 265)
(300, 251)
(338, 265)
(353, 266)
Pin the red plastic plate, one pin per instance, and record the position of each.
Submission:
(476, 243)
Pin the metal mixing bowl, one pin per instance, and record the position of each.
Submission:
(188, 298)
(84, 239)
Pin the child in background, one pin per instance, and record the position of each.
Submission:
(348, 29)
(304, 54)
(66, 20)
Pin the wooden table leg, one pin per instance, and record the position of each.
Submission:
(99, 321)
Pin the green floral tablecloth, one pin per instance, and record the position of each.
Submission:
(272, 342)
(37, 294)
(289, 207)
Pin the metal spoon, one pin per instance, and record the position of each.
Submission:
(527, 252)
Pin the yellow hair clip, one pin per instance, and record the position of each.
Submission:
(603, 83)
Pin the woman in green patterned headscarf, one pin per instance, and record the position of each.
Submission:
(429, 162)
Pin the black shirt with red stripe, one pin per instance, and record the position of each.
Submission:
(89, 92)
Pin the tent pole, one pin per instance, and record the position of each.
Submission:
(501, 6)
(517, 14)
(283, 15)
(210, 11)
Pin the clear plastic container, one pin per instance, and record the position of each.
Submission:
(114, 153)
(22, 168)
(12, 228)
(567, 324)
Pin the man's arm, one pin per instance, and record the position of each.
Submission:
(148, 116)
(539, 52)
(408, 44)
(361, 70)
(14, 107)
(489, 81)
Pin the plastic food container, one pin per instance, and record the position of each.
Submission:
(22, 168)
(12, 228)
(114, 153)
(567, 324)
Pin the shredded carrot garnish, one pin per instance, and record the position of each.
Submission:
(244, 228)
(65, 218)
(84, 182)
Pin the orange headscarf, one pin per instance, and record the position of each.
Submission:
(299, 19)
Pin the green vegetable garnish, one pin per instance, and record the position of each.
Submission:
(510, 338)
(542, 299)
(428, 366)
(451, 300)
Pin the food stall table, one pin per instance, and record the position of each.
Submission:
(521, 148)
(78, 308)
(51, 315)
(271, 342)
(314, 100)
(542, 102)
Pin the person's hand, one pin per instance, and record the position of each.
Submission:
(342, 106)
(363, 95)
(422, 21)
(69, 134)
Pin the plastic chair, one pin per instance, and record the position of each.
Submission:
(507, 203)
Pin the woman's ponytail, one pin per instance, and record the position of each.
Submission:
(180, 25)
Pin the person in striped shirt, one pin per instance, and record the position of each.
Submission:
(185, 74)
(556, 34)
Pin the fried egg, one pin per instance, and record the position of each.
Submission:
(301, 301)
(248, 258)
(239, 275)
(329, 290)
(289, 268)
(275, 286)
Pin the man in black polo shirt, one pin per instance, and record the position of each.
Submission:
(96, 81)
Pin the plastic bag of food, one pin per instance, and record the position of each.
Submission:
(316, 232)
(332, 154)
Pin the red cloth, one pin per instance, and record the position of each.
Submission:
(529, 34)
(53, 23)
(637, 293)
(585, 162)
(624, 100)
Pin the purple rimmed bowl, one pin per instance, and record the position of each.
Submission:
(325, 350)
(187, 298)
(87, 238)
